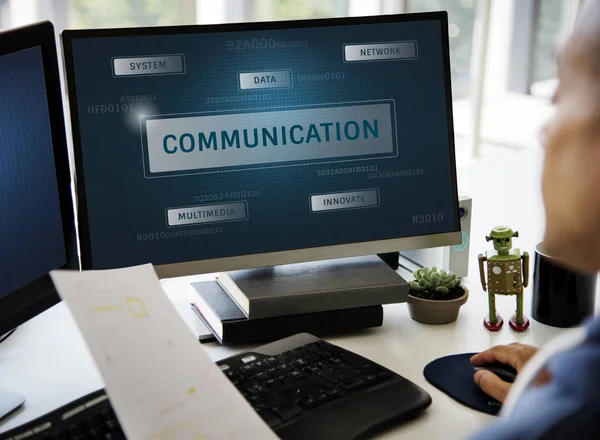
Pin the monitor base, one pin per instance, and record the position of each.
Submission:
(9, 402)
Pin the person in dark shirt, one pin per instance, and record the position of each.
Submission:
(557, 391)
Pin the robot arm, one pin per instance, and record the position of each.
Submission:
(482, 259)
(525, 258)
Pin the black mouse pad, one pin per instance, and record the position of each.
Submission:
(454, 376)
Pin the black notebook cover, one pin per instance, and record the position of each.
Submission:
(314, 286)
(230, 326)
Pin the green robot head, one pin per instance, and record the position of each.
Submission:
(502, 238)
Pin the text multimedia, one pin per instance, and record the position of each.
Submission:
(207, 213)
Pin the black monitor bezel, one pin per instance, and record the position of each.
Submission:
(69, 35)
(39, 295)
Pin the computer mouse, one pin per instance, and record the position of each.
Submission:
(503, 371)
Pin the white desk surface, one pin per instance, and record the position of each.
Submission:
(47, 361)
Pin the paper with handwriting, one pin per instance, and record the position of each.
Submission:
(160, 381)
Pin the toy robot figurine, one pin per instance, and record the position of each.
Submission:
(508, 274)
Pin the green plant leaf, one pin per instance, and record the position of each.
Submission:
(416, 287)
(442, 289)
(418, 274)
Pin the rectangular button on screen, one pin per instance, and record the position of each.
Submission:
(208, 142)
(367, 198)
(266, 80)
(152, 65)
(397, 50)
(192, 215)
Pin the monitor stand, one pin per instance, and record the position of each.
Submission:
(310, 287)
(9, 402)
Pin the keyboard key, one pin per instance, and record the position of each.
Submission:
(297, 374)
(257, 392)
(332, 392)
(354, 359)
(262, 377)
(76, 432)
(314, 369)
(112, 424)
(271, 401)
(353, 384)
(54, 434)
(316, 399)
(272, 383)
(285, 368)
(248, 359)
(326, 354)
(370, 378)
(308, 402)
(94, 431)
(334, 360)
(286, 412)
(250, 370)
(301, 363)
(384, 374)
(287, 379)
(252, 398)
(314, 358)
(313, 348)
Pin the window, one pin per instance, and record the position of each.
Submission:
(3, 14)
(125, 13)
(461, 17)
(554, 22)
(461, 21)
(294, 9)
(521, 72)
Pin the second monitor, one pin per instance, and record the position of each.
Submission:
(211, 148)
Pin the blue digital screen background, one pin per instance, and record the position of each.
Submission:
(31, 235)
(126, 211)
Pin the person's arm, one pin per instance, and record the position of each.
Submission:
(556, 392)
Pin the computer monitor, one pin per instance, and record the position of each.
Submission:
(37, 232)
(210, 148)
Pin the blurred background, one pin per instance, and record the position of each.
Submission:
(502, 52)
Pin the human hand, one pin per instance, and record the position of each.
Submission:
(516, 355)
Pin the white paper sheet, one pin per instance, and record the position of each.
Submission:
(160, 380)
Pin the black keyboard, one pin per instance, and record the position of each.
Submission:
(90, 417)
(302, 387)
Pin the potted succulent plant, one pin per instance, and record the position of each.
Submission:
(435, 297)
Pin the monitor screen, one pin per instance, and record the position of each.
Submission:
(292, 140)
(37, 232)
(31, 232)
